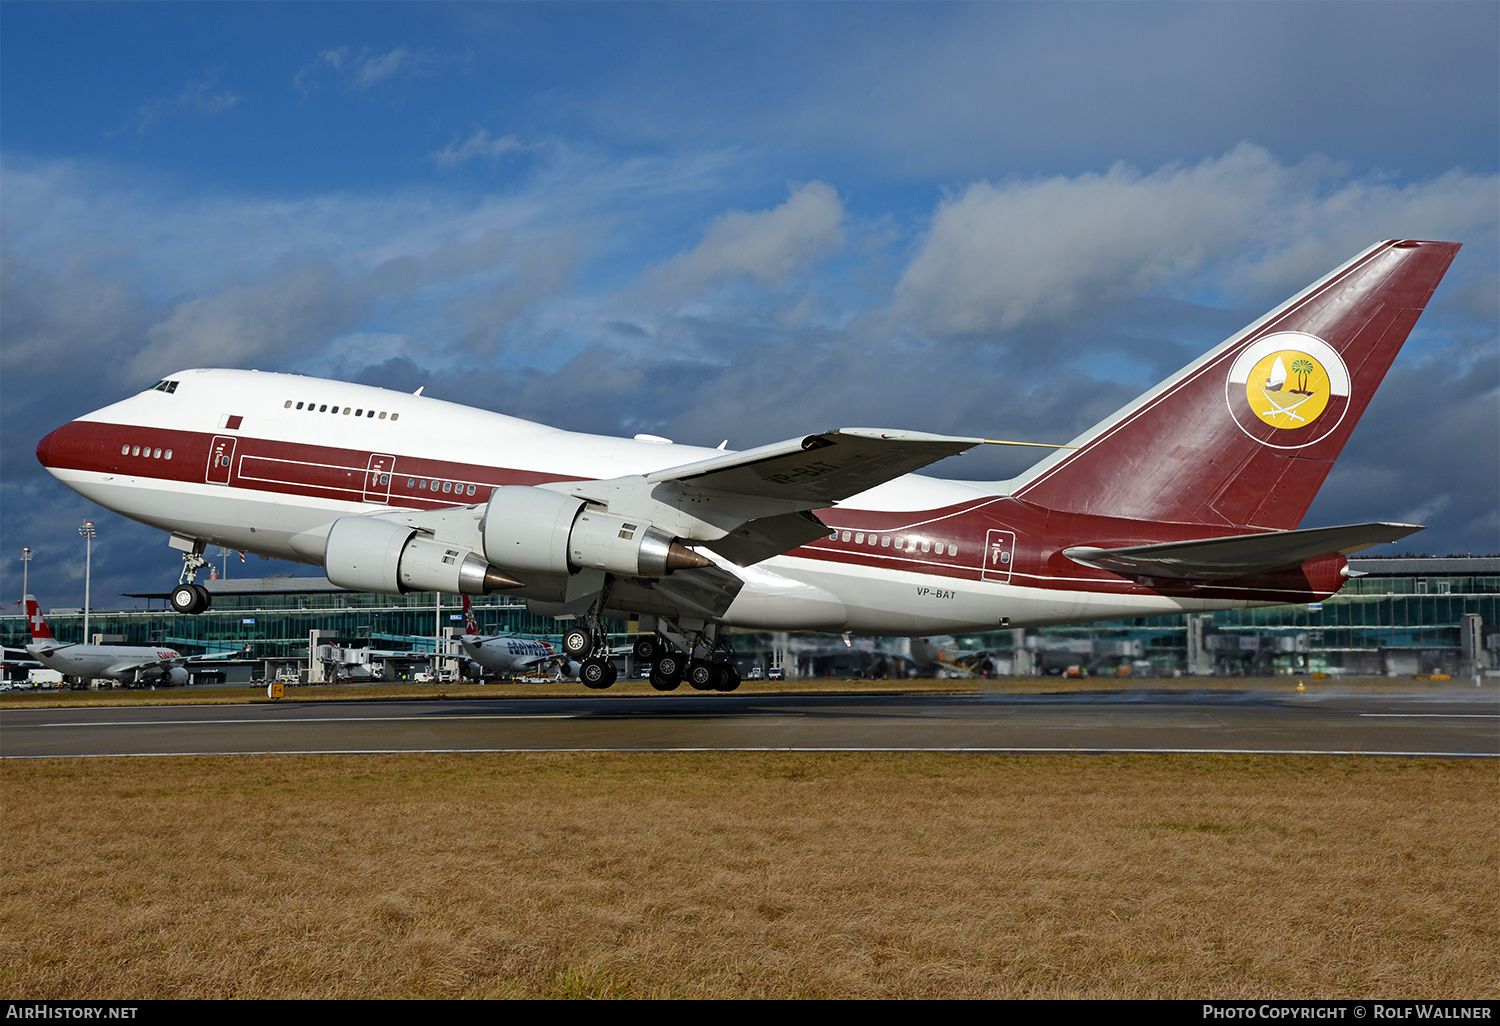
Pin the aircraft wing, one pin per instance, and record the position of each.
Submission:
(207, 657)
(751, 505)
(1239, 556)
(818, 469)
(129, 666)
(163, 665)
(19, 659)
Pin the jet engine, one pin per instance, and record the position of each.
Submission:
(379, 555)
(177, 675)
(534, 530)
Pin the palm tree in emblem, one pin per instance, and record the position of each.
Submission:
(1302, 368)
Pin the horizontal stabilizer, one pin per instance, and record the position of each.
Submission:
(818, 469)
(1239, 556)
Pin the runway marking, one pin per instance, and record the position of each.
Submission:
(1071, 750)
(301, 719)
(1433, 716)
(591, 715)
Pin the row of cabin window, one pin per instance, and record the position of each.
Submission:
(448, 486)
(137, 450)
(900, 543)
(315, 408)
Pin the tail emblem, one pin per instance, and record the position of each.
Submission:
(1291, 382)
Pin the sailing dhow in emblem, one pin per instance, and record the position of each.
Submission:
(1293, 407)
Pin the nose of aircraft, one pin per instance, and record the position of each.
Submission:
(50, 447)
(63, 447)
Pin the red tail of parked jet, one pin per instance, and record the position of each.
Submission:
(1244, 436)
(39, 629)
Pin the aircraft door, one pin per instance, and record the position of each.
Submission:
(378, 477)
(220, 460)
(999, 551)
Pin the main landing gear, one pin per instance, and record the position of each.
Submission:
(189, 597)
(710, 671)
(674, 653)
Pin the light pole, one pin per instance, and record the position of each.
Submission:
(25, 572)
(87, 530)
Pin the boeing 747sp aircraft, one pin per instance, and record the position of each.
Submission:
(1190, 498)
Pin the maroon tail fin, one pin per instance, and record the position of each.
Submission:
(1245, 435)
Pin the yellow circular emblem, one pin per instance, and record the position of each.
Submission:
(1287, 389)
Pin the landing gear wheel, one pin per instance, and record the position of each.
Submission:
(661, 683)
(728, 678)
(190, 598)
(669, 665)
(596, 673)
(647, 647)
(578, 642)
(701, 675)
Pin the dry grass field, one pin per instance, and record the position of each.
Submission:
(747, 875)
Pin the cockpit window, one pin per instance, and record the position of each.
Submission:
(164, 386)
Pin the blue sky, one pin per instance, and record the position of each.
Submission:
(735, 220)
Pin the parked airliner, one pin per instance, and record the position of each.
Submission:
(489, 654)
(1190, 498)
(130, 664)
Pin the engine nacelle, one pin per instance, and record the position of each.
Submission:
(533, 530)
(178, 676)
(370, 554)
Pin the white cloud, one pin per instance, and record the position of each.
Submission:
(363, 70)
(197, 97)
(767, 246)
(479, 146)
(998, 256)
(295, 306)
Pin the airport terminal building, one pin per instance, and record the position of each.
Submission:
(1404, 616)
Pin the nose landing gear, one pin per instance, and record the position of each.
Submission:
(189, 597)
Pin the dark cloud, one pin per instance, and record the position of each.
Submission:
(1427, 452)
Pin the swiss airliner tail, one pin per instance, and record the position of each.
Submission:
(39, 629)
(1245, 436)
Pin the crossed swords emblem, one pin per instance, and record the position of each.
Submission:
(1290, 409)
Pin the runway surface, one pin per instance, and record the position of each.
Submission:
(1447, 724)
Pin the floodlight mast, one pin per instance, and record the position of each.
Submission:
(87, 530)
